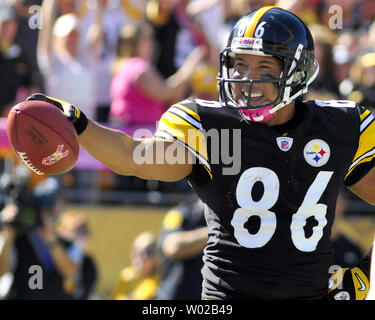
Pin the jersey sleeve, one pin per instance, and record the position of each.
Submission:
(364, 159)
(181, 123)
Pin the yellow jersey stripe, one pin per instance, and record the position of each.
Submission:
(182, 114)
(254, 21)
(368, 156)
(188, 111)
(365, 151)
(365, 114)
(165, 135)
(366, 122)
(185, 132)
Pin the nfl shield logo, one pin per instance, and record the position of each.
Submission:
(284, 143)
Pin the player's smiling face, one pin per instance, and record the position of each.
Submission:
(252, 67)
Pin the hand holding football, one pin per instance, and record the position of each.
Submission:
(42, 137)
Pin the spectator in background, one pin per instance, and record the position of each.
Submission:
(361, 81)
(160, 15)
(16, 70)
(364, 12)
(250, 5)
(371, 37)
(28, 239)
(344, 52)
(203, 82)
(65, 73)
(213, 17)
(307, 10)
(139, 92)
(175, 34)
(140, 280)
(216, 18)
(129, 11)
(324, 40)
(68, 6)
(182, 238)
(102, 21)
(72, 227)
(27, 35)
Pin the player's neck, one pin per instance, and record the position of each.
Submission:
(283, 115)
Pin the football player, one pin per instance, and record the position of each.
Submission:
(267, 165)
(371, 292)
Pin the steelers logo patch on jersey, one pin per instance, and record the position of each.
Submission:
(317, 152)
(342, 295)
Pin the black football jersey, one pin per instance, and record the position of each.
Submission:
(271, 192)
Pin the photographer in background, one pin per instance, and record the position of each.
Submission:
(27, 239)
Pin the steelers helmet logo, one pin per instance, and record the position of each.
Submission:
(317, 152)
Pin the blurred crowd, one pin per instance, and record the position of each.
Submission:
(42, 245)
(124, 62)
(44, 248)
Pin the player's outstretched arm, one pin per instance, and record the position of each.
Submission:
(371, 293)
(364, 188)
(146, 158)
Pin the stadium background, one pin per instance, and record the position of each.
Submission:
(113, 229)
(119, 208)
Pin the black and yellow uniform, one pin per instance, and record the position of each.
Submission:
(270, 221)
(181, 279)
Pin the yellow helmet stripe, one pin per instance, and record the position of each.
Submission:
(255, 19)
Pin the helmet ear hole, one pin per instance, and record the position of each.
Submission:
(298, 76)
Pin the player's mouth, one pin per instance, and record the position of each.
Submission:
(256, 98)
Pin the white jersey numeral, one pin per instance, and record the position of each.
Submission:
(250, 208)
(268, 222)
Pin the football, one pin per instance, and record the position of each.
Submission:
(42, 137)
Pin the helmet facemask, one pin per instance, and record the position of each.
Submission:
(293, 80)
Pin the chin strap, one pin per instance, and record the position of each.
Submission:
(258, 115)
